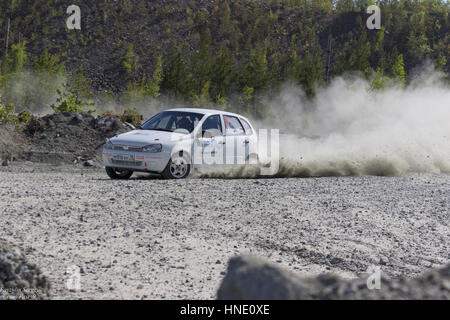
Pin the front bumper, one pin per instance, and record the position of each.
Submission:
(136, 161)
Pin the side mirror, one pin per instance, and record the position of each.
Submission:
(210, 133)
(207, 134)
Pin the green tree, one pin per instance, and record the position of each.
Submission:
(379, 80)
(345, 5)
(417, 45)
(224, 73)
(254, 80)
(7, 113)
(75, 95)
(15, 79)
(440, 62)
(398, 70)
(16, 59)
(309, 72)
(222, 103)
(147, 88)
(228, 31)
(174, 75)
(355, 56)
(153, 86)
(48, 77)
(204, 99)
(130, 61)
(49, 63)
(246, 100)
(201, 62)
(255, 73)
(359, 58)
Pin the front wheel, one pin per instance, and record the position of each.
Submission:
(178, 167)
(118, 174)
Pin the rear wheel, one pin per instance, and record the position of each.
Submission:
(118, 174)
(178, 167)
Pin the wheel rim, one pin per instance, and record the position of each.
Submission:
(179, 167)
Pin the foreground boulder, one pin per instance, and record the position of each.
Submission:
(20, 279)
(250, 278)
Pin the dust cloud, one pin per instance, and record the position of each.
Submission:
(349, 129)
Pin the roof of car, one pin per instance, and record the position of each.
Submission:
(205, 111)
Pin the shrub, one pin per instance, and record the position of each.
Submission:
(7, 113)
(131, 115)
(69, 102)
(111, 113)
(24, 117)
(379, 80)
(75, 95)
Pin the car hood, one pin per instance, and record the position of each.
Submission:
(144, 137)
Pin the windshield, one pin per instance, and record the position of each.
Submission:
(173, 120)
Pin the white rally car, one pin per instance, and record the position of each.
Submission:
(175, 141)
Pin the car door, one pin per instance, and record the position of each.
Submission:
(251, 138)
(236, 141)
(212, 140)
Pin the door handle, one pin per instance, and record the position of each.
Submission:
(246, 141)
(222, 142)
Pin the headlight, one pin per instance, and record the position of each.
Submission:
(152, 148)
(109, 145)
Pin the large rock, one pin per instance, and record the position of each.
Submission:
(252, 278)
(20, 279)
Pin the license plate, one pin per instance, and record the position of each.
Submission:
(124, 157)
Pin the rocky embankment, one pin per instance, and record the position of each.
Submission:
(59, 138)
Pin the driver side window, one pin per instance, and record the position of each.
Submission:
(212, 126)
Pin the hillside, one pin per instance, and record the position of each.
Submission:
(220, 51)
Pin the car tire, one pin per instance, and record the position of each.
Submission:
(118, 174)
(178, 167)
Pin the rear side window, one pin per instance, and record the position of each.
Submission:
(247, 127)
(233, 126)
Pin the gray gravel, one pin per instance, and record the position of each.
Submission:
(151, 238)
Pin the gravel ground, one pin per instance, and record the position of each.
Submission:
(150, 238)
